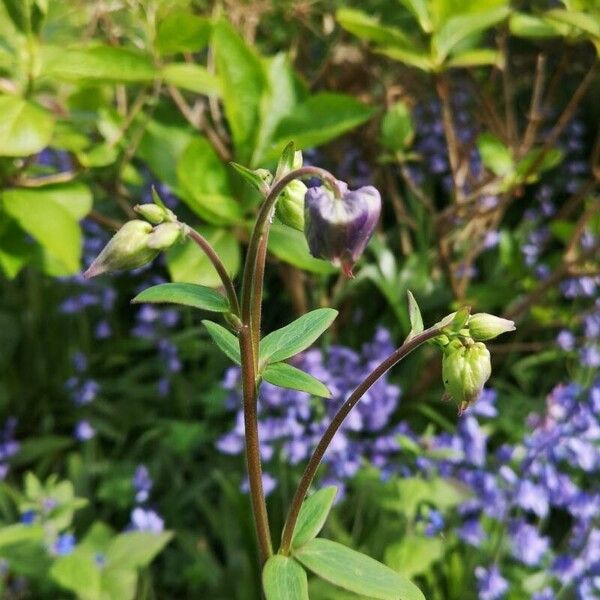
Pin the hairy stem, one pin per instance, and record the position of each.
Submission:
(257, 494)
(336, 422)
(219, 267)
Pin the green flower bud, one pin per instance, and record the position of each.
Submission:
(465, 369)
(127, 249)
(164, 236)
(290, 206)
(151, 212)
(483, 326)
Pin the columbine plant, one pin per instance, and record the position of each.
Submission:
(338, 224)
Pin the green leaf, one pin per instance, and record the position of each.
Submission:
(368, 28)
(191, 77)
(320, 119)
(242, 83)
(118, 583)
(456, 29)
(495, 155)
(19, 12)
(79, 573)
(136, 549)
(19, 533)
(46, 220)
(252, 177)
(224, 339)
(25, 128)
(296, 336)
(313, 514)
(420, 11)
(187, 294)
(99, 64)
(479, 57)
(280, 96)
(205, 185)
(586, 23)
(414, 554)
(355, 572)
(413, 58)
(287, 376)
(286, 161)
(284, 579)
(290, 245)
(550, 160)
(530, 26)
(414, 314)
(182, 31)
(186, 262)
(397, 129)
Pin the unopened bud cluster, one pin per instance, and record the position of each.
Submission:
(138, 242)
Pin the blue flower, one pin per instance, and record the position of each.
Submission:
(142, 483)
(84, 431)
(64, 544)
(490, 583)
(528, 546)
(145, 519)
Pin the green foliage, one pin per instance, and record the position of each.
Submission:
(224, 339)
(355, 572)
(288, 376)
(313, 514)
(186, 294)
(284, 579)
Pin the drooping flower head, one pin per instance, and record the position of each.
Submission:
(338, 229)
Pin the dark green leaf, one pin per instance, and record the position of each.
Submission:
(182, 31)
(284, 579)
(290, 245)
(225, 340)
(296, 336)
(99, 63)
(186, 262)
(191, 77)
(188, 294)
(355, 572)
(287, 376)
(313, 514)
(242, 84)
(25, 128)
(320, 119)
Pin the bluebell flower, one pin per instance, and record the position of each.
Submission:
(528, 545)
(565, 340)
(490, 583)
(84, 431)
(146, 519)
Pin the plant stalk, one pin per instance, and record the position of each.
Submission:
(336, 422)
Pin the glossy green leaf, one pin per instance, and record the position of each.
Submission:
(224, 339)
(25, 128)
(458, 28)
(204, 184)
(187, 294)
(186, 262)
(48, 222)
(290, 245)
(136, 549)
(243, 81)
(414, 554)
(191, 77)
(355, 572)
(366, 27)
(182, 31)
(320, 119)
(313, 514)
(284, 579)
(414, 314)
(420, 10)
(296, 336)
(108, 64)
(287, 376)
(397, 130)
(495, 155)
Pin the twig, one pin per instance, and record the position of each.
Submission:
(535, 116)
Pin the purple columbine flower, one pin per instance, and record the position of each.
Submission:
(338, 229)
